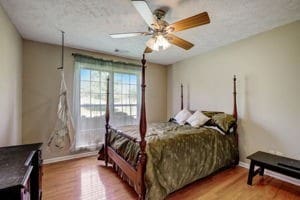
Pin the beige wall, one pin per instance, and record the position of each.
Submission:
(268, 71)
(41, 86)
(10, 82)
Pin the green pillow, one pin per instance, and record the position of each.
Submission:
(210, 114)
(224, 121)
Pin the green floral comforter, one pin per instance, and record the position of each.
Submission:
(176, 155)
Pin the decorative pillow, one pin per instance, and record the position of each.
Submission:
(182, 116)
(197, 119)
(224, 121)
(211, 113)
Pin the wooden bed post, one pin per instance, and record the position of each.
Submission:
(142, 159)
(181, 96)
(235, 114)
(106, 123)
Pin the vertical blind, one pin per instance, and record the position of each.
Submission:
(89, 97)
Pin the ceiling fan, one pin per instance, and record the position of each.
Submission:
(160, 30)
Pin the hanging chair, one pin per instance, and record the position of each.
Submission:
(62, 137)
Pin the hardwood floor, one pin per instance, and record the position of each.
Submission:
(89, 179)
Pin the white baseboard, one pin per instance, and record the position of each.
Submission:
(275, 175)
(69, 157)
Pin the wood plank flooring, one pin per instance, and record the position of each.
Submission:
(89, 179)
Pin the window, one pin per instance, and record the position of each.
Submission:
(92, 93)
(89, 98)
(93, 86)
(125, 94)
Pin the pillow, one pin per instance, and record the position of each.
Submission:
(197, 119)
(224, 121)
(182, 116)
(211, 113)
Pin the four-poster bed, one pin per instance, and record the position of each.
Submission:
(130, 158)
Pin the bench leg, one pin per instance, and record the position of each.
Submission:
(251, 173)
(261, 171)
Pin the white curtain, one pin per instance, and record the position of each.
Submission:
(89, 98)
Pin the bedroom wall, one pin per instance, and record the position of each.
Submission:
(268, 69)
(10, 82)
(41, 82)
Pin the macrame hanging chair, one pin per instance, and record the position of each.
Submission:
(62, 137)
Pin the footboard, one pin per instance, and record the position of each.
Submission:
(133, 175)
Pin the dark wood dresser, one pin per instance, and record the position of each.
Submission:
(21, 172)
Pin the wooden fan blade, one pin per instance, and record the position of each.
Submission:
(127, 35)
(148, 50)
(144, 10)
(179, 42)
(189, 22)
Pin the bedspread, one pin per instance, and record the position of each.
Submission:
(176, 155)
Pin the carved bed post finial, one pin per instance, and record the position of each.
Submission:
(143, 128)
(235, 114)
(181, 96)
(106, 122)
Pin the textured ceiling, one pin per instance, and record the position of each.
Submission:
(87, 23)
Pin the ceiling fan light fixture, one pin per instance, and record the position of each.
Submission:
(160, 30)
(158, 43)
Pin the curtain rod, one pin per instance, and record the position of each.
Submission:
(101, 59)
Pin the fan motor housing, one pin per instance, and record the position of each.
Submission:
(159, 13)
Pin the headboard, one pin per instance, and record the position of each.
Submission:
(234, 113)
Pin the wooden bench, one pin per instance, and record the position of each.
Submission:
(280, 164)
